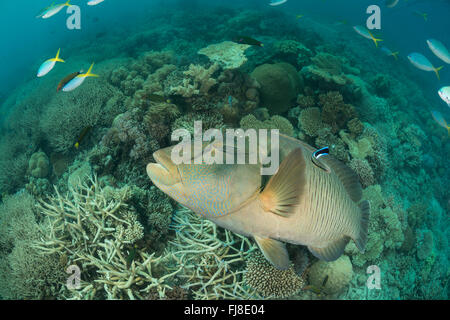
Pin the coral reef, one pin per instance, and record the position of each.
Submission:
(269, 281)
(339, 273)
(229, 55)
(280, 85)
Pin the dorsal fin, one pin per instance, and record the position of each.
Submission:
(347, 176)
(283, 191)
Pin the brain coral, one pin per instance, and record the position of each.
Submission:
(39, 166)
(280, 85)
(339, 273)
(268, 280)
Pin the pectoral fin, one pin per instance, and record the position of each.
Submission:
(331, 252)
(274, 251)
(284, 190)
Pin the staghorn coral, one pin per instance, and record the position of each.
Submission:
(280, 85)
(88, 226)
(211, 261)
(268, 280)
(25, 273)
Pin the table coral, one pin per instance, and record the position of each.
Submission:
(227, 54)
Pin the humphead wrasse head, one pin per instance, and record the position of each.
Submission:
(212, 190)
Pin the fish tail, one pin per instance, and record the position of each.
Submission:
(361, 239)
(436, 70)
(67, 3)
(395, 55)
(57, 59)
(376, 41)
(89, 74)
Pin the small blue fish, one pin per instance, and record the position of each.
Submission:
(78, 80)
(48, 65)
(363, 31)
(390, 53)
(437, 116)
(421, 62)
(52, 10)
(316, 155)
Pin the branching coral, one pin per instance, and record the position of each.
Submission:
(89, 227)
(198, 81)
(212, 261)
(25, 273)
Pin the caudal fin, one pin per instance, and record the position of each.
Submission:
(361, 240)
(89, 74)
(67, 3)
(57, 58)
(436, 70)
(395, 55)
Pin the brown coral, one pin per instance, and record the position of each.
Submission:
(268, 280)
(335, 111)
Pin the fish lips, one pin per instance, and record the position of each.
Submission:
(164, 172)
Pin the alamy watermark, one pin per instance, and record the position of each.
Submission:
(374, 20)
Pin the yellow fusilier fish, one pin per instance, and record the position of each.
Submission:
(391, 3)
(78, 80)
(422, 14)
(366, 34)
(311, 200)
(48, 65)
(299, 16)
(53, 9)
(439, 50)
(390, 53)
(421, 62)
(437, 116)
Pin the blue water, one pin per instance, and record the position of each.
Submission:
(409, 158)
